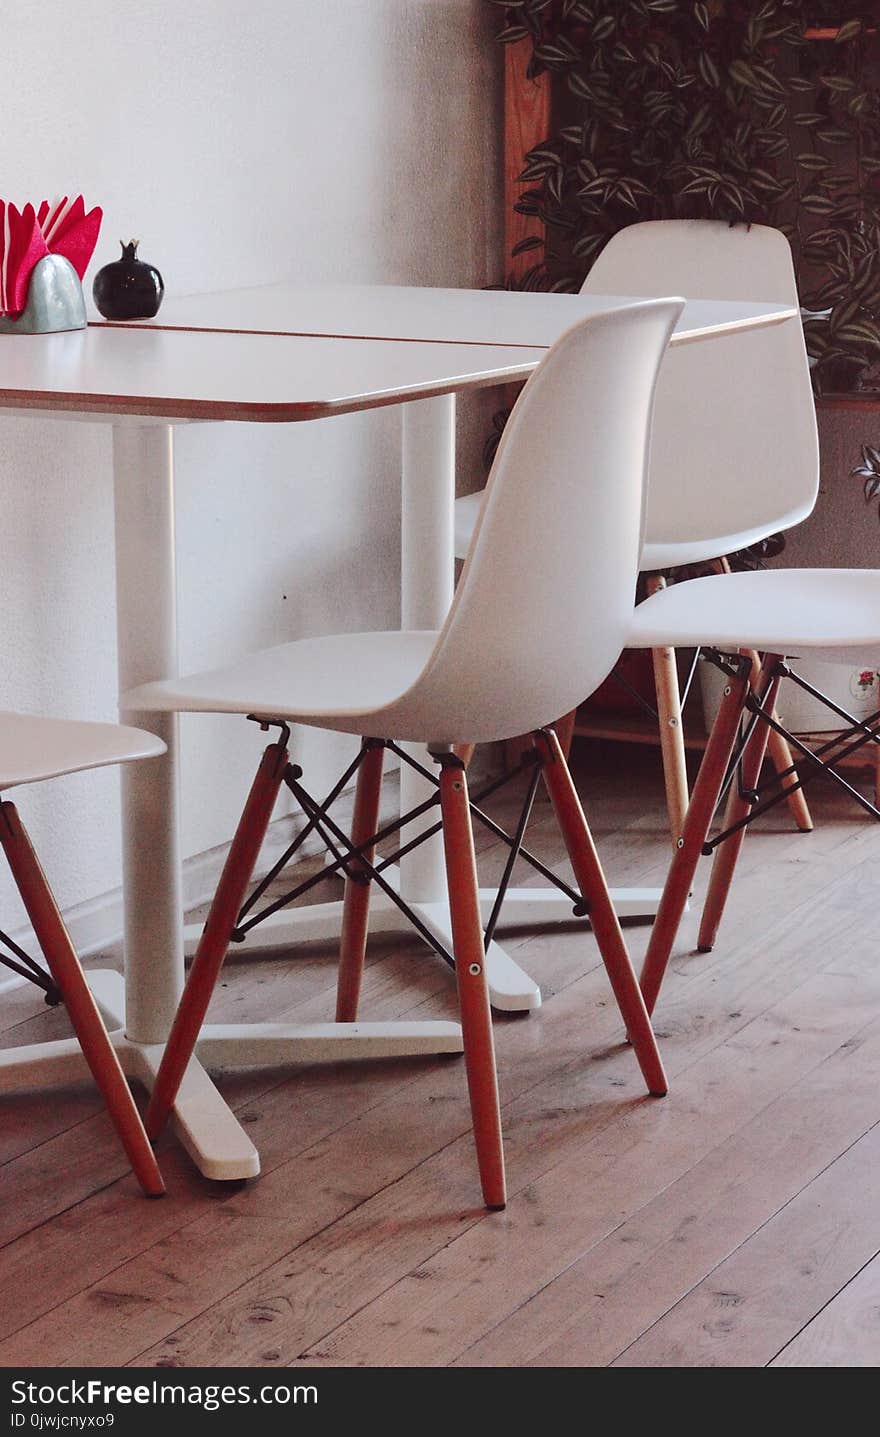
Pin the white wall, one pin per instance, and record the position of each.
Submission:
(242, 143)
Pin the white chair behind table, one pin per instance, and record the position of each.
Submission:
(481, 678)
(734, 454)
(33, 749)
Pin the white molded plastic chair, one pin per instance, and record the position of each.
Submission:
(734, 452)
(33, 749)
(542, 610)
(834, 615)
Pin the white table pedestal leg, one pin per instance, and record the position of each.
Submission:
(146, 618)
(427, 557)
(427, 562)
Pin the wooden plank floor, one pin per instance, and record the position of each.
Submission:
(733, 1223)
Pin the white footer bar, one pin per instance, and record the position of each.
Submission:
(204, 1123)
(511, 989)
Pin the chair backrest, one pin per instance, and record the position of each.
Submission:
(733, 470)
(545, 600)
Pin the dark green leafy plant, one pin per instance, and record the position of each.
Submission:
(721, 109)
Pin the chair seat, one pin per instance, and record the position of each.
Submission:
(336, 682)
(658, 555)
(833, 614)
(34, 748)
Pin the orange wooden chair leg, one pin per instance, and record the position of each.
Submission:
(564, 727)
(564, 731)
(214, 941)
(603, 919)
(727, 853)
(470, 975)
(58, 950)
(778, 747)
(779, 753)
(465, 751)
(690, 845)
(356, 902)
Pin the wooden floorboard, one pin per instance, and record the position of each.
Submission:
(730, 1224)
(617, 1269)
(789, 1268)
(846, 1329)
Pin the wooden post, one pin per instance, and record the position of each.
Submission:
(526, 124)
(527, 119)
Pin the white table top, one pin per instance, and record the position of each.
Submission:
(182, 374)
(460, 316)
(221, 371)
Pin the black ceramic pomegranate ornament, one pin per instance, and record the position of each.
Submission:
(129, 288)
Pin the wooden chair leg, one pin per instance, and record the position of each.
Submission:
(564, 727)
(778, 747)
(727, 853)
(58, 950)
(696, 825)
(672, 748)
(473, 992)
(779, 753)
(465, 751)
(214, 941)
(564, 731)
(588, 872)
(356, 902)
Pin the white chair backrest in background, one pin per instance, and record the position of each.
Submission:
(544, 603)
(734, 454)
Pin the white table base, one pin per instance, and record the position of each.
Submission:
(510, 988)
(203, 1122)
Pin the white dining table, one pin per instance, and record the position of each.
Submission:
(528, 318)
(280, 354)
